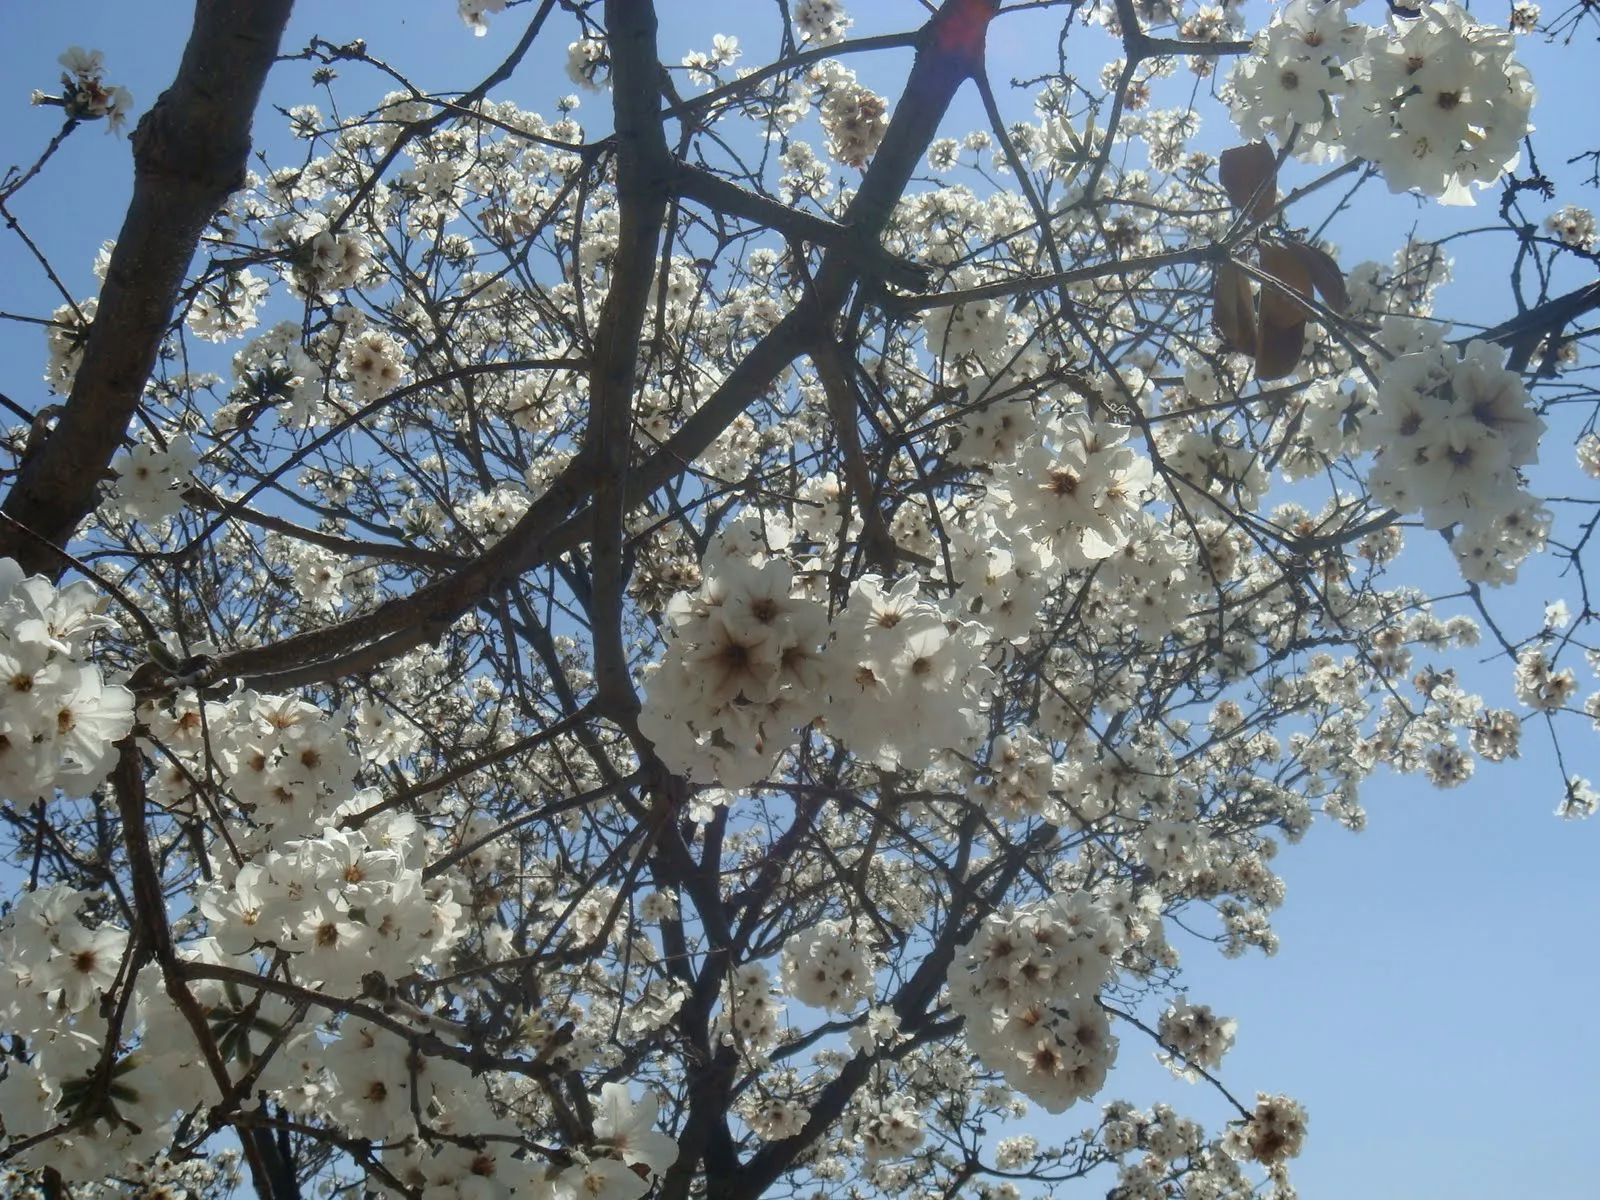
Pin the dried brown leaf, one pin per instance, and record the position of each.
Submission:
(1234, 312)
(1280, 305)
(1281, 336)
(1326, 276)
(1278, 349)
(1248, 175)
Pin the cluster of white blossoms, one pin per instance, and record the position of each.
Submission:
(828, 967)
(344, 903)
(66, 336)
(274, 369)
(1271, 1134)
(1012, 694)
(587, 63)
(890, 1128)
(375, 363)
(1027, 986)
(1434, 100)
(897, 677)
(1573, 226)
(368, 1082)
(1580, 799)
(625, 1134)
(854, 117)
(821, 22)
(1540, 685)
(1021, 779)
(226, 306)
(286, 763)
(150, 479)
(775, 1119)
(700, 65)
(975, 331)
(324, 261)
(1276, 1131)
(750, 1013)
(54, 968)
(741, 673)
(1492, 552)
(121, 1076)
(1450, 432)
(904, 678)
(465, 1152)
(1194, 1036)
(53, 963)
(1063, 493)
(59, 719)
(473, 13)
(86, 97)
(1076, 486)
(1166, 1140)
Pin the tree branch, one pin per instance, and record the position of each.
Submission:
(189, 153)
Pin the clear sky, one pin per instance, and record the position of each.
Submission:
(1430, 1004)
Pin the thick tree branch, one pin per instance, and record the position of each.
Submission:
(725, 196)
(189, 154)
(644, 168)
(1523, 334)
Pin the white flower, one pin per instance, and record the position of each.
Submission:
(151, 479)
(1581, 799)
(775, 1120)
(87, 96)
(628, 1128)
(821, 21)
(472, 13)
(375, 364)
(587, 64)
(86, 963)
(602, 1179)
(1574, 226)
(85, 64)
(828, 968)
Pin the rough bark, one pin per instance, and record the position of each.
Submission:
(189, 151)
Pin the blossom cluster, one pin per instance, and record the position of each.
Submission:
(1027, 986)
(66, 336)
(1195, 1037)
(473, 13)
(1047, 649)
(86, 96)
(854, 117)
(1434, 99)
(750, 1012)
(226, 307)
(286, 764)
(904, 677)
(345, 903)
(894, 675)
(59, 718)
(1450, 432)
(891, 1129)
(821, 22)
(119, 1078)
(827, 967)
(150, 479)
(741, 673)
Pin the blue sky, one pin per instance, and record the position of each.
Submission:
(1429, 1004)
